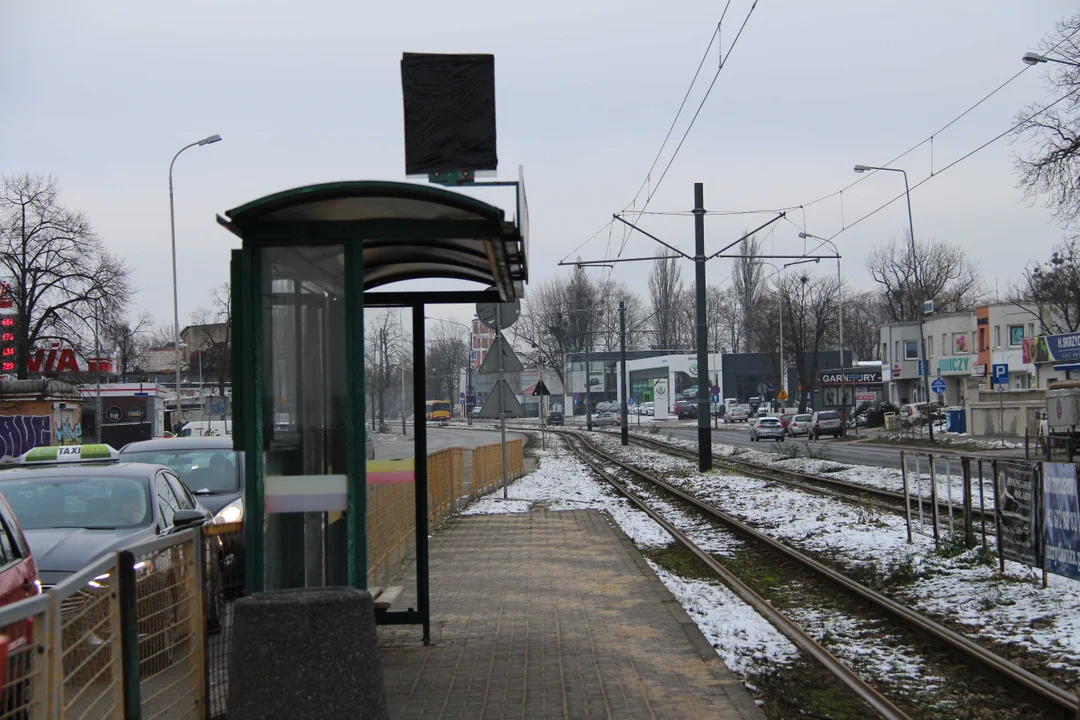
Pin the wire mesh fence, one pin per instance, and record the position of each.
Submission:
(223, 582)
(169, 613)
(25, 630)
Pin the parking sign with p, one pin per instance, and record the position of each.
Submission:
(1000, 374)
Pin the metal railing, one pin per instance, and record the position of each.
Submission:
(122, 637)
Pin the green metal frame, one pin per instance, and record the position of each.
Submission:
(483, 247)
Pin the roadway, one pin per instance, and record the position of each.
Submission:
(395, 446)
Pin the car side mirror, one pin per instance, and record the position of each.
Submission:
(188, 518)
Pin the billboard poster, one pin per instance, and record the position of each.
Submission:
(1057, 348)
(1015, 491)
(1061, 519)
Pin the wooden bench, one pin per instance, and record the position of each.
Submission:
(385, 597)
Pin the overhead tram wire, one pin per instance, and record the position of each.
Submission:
(720, 66)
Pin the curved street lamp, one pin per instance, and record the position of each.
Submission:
(176, 303)
(918, 292)
(1035, 58)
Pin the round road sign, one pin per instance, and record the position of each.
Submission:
(114, 414)
(938, 386)
(488, 312)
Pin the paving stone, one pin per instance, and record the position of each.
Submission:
(552, 614)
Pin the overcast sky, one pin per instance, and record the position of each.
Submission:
(102, 94)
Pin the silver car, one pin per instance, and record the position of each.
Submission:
(800, 425)
(605, 418)
(767, 428)
(826, 422)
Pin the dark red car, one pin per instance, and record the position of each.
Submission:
(785, 420)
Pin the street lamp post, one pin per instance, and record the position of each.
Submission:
(840, 310)
(1035, 58)
(918, 292)
(172, 226)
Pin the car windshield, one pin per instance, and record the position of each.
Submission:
(205, 471)
(94, 503)
(828, 416)
(768, 421)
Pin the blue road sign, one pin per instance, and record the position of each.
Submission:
(577, 396)
(716, 398)
(938, 386)
(714, 390)
(630, 401)
(922, 368)
(1000, 373)
(141, 394)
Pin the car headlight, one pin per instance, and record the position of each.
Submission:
(231, 513)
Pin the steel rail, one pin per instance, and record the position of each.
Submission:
(971, 651)
(893, 500)
(846, 675)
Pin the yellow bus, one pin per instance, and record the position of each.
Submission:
(437, 410)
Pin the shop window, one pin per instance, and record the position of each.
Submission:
(1016, 335)
(911, 349)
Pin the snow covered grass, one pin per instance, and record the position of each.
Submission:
(966, 588)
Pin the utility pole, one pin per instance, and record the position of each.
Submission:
(704, 431)
(588, 385)
(498, 390)
(540, 362)
(622, 374)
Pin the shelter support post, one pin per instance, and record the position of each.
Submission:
(420, 453)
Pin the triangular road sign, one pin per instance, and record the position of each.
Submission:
(540, 389)
(510, 361)
(510, 406)
(782, 395)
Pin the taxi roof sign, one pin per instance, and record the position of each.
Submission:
(70, 453)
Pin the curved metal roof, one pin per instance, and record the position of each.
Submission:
(407, 231)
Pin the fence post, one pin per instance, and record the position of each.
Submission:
(1041, 518)
(934, 503)
(948, 490)
(997, 517)
(907, 496)
(982, 503)
(918, 487)
(129, 635)
(969, 532)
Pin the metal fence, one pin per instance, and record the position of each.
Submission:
(223, 582)
(947, 493)
(124, 632)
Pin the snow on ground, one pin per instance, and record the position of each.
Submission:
(947, 471)
(745, 640)
(1009, 609)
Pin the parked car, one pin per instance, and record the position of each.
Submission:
(767, 428)
(475, 412)
(737, 414)
(800, 425)
(650, 409)
(755, 403)
(555, 418)
(602, 419)
(686, 408)
(785, 419)
(826, 422)
(78, 503)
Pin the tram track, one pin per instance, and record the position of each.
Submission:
(957, 647)
(832, 487)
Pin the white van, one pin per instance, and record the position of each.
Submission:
(207, 428)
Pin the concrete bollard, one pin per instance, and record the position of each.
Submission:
(310, 652)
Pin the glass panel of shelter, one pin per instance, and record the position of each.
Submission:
(304, 415)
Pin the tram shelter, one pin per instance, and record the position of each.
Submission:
(310, 261)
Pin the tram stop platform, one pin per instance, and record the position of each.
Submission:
(552, 615)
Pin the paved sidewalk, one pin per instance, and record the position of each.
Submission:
(552, 615)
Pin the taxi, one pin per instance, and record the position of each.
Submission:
(77, 503)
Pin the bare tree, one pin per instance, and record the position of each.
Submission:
(946, 274)
(726, 320)
(561, 316)
(1051, 290)
(215, 348)
(130, 340)
(748, 278)
(448, 353)
(1052, 167)
(62, 278)
(864, 314)
(382, 349)
(665, 292)
(161, 336)
(810, 316)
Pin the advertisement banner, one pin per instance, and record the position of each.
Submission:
(1061, 519)
(1057, 348)
(1016, 506)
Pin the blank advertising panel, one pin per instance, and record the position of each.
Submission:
(449, 112)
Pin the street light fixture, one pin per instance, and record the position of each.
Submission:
(1035, 58)
(176, 301)
(840, 302)
(918, 292)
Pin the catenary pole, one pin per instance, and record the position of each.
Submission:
(704, 431)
